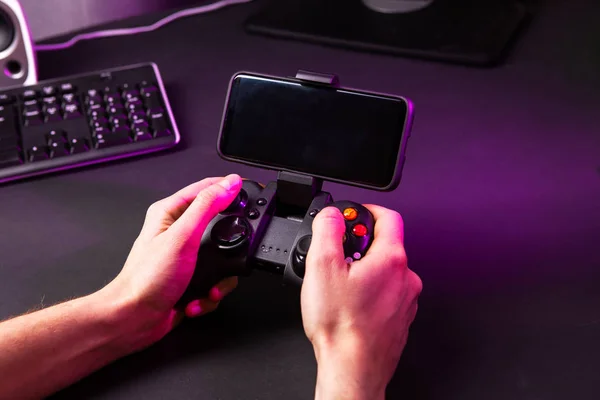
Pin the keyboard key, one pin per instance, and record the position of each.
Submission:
(112, 98)
(6, 98)
(71, 111)
(148, 89)
(68, 97)
(96, 115)
(93, 93)
(138, 115)
(118, 120)
(30, 103)
(116, 109)
(58, 150)
(135, 107)
(98, 125)
(51, 114)
(67, 88)
(95, 107)
(29, 94)
(121, 130)
(113, 139)
(50, 100)
(30, 109)
(130, 93)
(78, 145)
(48, 90)
(152, 100)
(133, 100)
(158, 123)
(140, 123)
(32, 118)
(141, 134)
(10, 158)
(56, 136)
(146, 84)
(156, 113)
(38, 153)
(93, 100)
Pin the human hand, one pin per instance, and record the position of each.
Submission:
(357, 316)
(163, 258)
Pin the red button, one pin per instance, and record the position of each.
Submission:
(359, 230)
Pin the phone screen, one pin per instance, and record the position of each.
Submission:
(335, 134)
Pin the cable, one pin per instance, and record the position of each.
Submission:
(140, 29)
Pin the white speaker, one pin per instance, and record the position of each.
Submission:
(17, 58)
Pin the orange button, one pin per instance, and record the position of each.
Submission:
(350, 214)
(359, 230)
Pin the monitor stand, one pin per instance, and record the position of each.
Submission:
(471, 32)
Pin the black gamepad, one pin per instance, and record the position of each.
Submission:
(252, 233)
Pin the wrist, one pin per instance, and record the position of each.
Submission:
(346, 372)
(130, 326)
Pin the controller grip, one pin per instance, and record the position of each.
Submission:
(211, 269)
(204, 279)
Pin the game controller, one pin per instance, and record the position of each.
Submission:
(270, 228)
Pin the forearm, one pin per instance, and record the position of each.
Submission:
(47, 350)
(344, 375)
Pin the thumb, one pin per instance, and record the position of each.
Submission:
(326, 252)
(209, 202)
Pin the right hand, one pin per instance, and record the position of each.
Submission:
(357, 316)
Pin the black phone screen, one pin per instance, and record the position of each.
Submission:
(335, 134)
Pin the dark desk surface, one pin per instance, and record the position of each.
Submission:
(500, 195)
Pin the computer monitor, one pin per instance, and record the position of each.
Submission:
(472, 32)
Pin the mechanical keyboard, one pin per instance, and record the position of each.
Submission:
(84, 119)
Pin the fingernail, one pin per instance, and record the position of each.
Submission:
(195, 309)
(215, 294)
(231, 182)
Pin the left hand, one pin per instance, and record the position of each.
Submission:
(163, 259)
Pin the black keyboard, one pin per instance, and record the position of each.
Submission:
(84, 119)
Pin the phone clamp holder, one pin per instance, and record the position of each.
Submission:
(318, 78)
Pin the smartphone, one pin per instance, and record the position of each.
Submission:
(335, 134)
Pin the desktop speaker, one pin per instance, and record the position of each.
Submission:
(17, 59)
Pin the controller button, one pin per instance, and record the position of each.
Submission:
(349, 260)
(253, 214)
(350, 214)
(359, 230)
(303, 245)
(300, 253)
(313, 213)
(261, 201)
(230, 231)
(357, 255)
(240, 201)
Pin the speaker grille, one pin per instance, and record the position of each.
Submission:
(7, 31)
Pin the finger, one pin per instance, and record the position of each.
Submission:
(389, 231)
(326, 250)
(206, 205)
(223, 288)
(172, 207)
(198, 308)
(389, 225)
